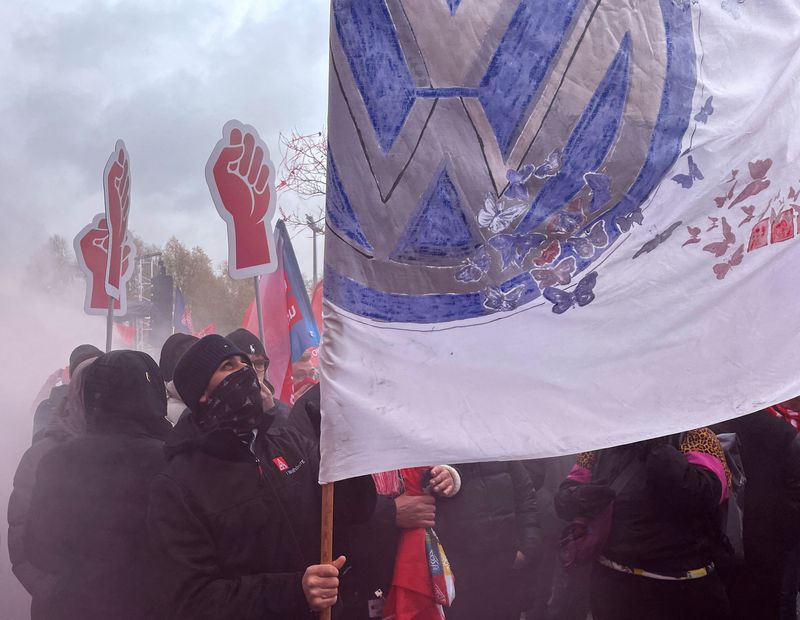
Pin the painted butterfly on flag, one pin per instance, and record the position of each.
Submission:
(694, 236)
(687, 180)
(517, 180)
(600, 186)
(515, 248)
(625, 222)
(549, 254)
(568, 220)
(656, 241)
(719, 248)
(583, 295)
(476, 267)
(722, 269)
(705, 111)
(586, 245)
(750, 212)
(560, 274)
(495, 299)
(497, 217)
(551, 165)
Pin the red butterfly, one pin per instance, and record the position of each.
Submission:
(721, 200)
(759, 168)
(793, 193)
(549, 254)
(721, 269)
(749, 212)
(694, 236)
(719, 248)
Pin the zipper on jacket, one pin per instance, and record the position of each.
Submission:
(260, 471)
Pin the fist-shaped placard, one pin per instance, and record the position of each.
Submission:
(241, 178)
(117, 187)
(91, 248)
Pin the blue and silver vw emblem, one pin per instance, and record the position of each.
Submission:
(484, 151)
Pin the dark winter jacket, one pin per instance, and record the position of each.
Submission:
(770, 449)
(68, 424)
(242, 525)
(48, 410)
(87, 522)
(305, 415)
(493, 513)
(667, 518)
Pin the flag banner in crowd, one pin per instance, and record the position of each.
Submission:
(289, 326)
(555, 226)
(91, 247)
(241, 178)
(181, 314)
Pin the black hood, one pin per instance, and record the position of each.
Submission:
(123, 391)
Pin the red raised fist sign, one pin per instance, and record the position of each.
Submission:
(117, 186)
(91, 247)
(241, 179)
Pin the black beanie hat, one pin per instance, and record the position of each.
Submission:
(81, 353)
(247, 342)
(174, 346)
(198, 364)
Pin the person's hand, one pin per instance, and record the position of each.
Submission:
(321, 584)
(415, 511)
(442, 482)
(266, 397)
(520, 561)
(241, 175)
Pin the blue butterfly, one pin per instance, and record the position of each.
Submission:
(625, 222)
(705, 111)
(517, 180)
(515, 248)
(600, 185)
(583, 295)
(687, 180)
(476, 266)
(551, 165)
(586, 245)
(497, 300)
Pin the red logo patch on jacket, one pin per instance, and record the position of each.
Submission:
(280, 463)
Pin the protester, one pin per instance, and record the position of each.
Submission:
(172, 350)
(248, 342)
(304, 375)
(487, 531)
(545, 589)
(87, 520)
(47, 409)
(238, 505)
(70, 422)
(770, 451)
(658, 559)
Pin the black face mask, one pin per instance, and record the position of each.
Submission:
(235, 404)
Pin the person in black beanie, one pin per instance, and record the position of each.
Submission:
(172, 350)
(238, 505)
(87, 522)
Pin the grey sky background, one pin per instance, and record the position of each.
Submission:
(164, 75)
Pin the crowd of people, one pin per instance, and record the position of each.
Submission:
(183, 489)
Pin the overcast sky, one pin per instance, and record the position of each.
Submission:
(163, 75)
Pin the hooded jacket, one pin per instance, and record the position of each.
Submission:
(244, 525)
(87, 521)
(68, 424)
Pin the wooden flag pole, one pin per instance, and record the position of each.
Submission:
(259, 310)
(109, 323)
(326, 546)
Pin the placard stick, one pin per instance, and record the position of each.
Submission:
(326, 546)
(259, 311)
(109, 322)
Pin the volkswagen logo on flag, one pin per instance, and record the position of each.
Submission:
(484, 151)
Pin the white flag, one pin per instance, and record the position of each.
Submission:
(556, 225)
